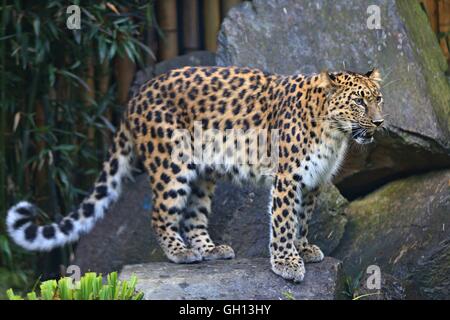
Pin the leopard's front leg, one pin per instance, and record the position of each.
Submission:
(284, 257)
(305, 205)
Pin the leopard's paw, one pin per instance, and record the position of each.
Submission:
(290, 268)
(184, 255)
(220, 252)
(311, 253)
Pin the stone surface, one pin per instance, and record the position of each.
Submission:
(391, 289)
(123, 236)
(234, 280)
(239, 218)
(404, 229)
(302, 36)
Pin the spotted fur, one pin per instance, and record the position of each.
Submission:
(315, 116)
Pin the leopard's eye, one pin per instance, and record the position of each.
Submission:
(359, 102)
(378, 99)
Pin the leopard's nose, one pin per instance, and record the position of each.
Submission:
(378, 122)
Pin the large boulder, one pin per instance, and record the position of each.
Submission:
(240, 279)
(125, 236)
(302, 36)
(404, 229)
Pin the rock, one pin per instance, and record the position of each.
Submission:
(196, 58)
(328, 223)
(301, 36)
(123, 236)
(234, 280)
(403, 229)
(391, 289)
(239, 218)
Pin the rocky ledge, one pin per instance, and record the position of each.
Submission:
(235, 280)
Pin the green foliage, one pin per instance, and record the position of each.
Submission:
(288, 295)
(12, 274)
(351, 286)
(90, 287)
(45, 65)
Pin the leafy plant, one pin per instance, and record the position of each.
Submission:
(90, 287)
(351, 285)
(288, 295)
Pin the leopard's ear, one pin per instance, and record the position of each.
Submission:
(374, 75)
(327, 80)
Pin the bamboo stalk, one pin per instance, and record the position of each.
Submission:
(227, 5)
(191, 39)
(88, 98)
(152, 43)
(151, 40)
(211, 9)
(103, 86)
(52, 121)
(89, 95)
(124, 69)
(103, 83)
(432, 11)
(3, 203)
(23, 173)
(103, 79)
(444, 25)
(41, 191)
(167, 17)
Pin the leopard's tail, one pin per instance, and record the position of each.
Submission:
(21, 218)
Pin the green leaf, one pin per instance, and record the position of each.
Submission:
(37, 26)
(48, 289)
(71, 75)
(31, 296)
(11, 296)
(64, 288)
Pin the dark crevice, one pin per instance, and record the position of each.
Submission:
(351, 190)
(390, 158)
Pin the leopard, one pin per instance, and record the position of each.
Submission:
(314, 118)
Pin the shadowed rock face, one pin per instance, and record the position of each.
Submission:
(390, 288)
(241, 219)
(234, 280)
(403, 228)
(302, 36)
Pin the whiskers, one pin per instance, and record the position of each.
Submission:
(358, 132)
(340, 125)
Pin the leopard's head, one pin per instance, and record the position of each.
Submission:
(355, 103)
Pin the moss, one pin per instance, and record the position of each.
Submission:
(430, 57)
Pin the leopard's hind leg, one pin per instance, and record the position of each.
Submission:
(170, 188)
(195, 222)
